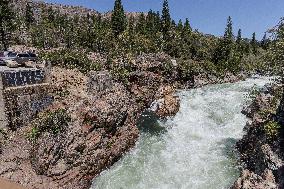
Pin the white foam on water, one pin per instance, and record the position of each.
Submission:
(196, 152)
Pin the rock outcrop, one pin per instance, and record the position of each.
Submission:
(261, 149)
(91, 124)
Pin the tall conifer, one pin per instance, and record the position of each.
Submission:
(239, 37)
(254, 43)
(166, 18)
(118, 18)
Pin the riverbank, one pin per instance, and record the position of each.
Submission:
(261, 148)
(92, 122)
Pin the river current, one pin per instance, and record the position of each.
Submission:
(194, 149)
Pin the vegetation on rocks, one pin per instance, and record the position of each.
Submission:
(261, 152)
(70, 59)
(49, 121)
(272, 129)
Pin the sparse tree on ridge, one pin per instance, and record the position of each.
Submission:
(166, 18)
(239, 37)
(187, 27)
(229, 30)
(118, 18)
(254, 43)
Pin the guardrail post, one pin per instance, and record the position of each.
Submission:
(3, 117)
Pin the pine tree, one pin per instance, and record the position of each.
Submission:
(180, 26)
(131, 26)
(166, 19)
(225, 45)
(158, 23)
(254, 43)
(229, 30)
(239, 37)
(141, 24)
(276, 51)
(6, 22)
(264, 42)
(173, 24)
(118, 18)
(29, 15)
(187, 28)
(188, 49)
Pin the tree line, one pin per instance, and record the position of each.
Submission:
(150, 32)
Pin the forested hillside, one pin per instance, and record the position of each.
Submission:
(120, 34)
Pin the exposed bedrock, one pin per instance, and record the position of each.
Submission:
(261, 148)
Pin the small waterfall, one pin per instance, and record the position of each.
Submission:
(195, 151)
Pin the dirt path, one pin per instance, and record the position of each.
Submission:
(4, 184)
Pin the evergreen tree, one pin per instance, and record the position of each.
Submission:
(254, 43)
(225, 45)
(152, 24)
(166, 19)
(173, 24)
(187, 45)
(141, 24)
(229, 30)
(29, 15)
(276, 51)
(6, 22)
(180, 26)
(264, 42)
(118, 18)
(239, 47)
(239, 37)
(158, 22)
(131, 26)
(187, 27)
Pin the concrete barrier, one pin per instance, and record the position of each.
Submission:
(23, 93)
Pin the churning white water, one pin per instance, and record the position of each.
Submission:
(196, 151)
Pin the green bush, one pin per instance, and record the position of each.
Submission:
(272, 129)
(70, 59)
(51, 121)
(188, 68)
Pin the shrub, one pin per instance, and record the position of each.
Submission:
(188, 68)
(51, 121)
(272, 129)
(70, 59)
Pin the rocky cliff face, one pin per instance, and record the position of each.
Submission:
(261, 148)
(91, 124)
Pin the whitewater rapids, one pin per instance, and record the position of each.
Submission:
(195, 151)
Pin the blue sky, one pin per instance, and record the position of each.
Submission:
(208, 16)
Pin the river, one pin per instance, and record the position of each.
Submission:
(196, 150)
